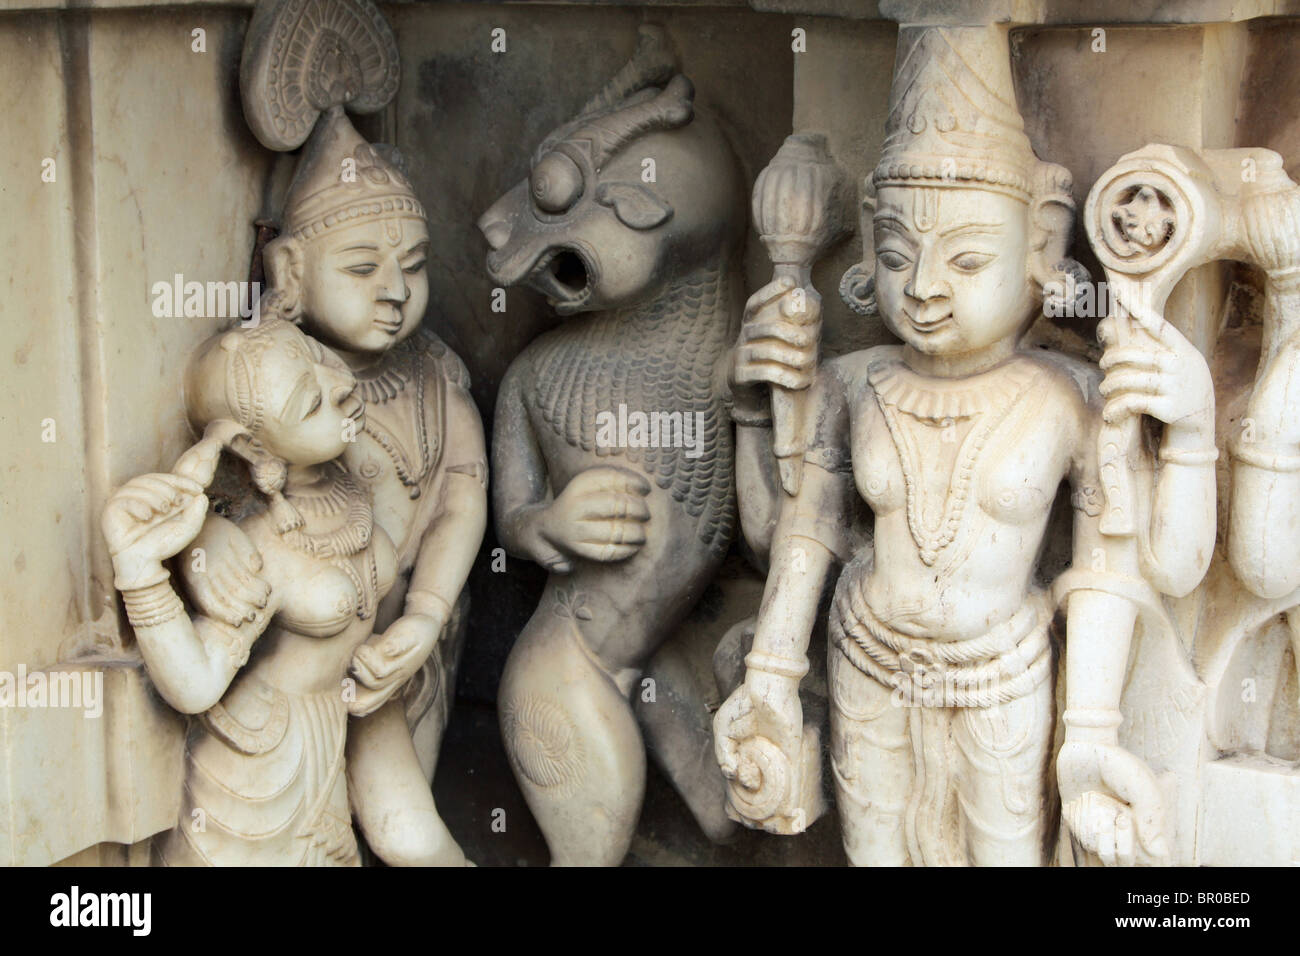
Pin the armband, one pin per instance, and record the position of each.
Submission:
(1096, 717)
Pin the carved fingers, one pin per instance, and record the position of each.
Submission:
(1160, 374)
(230, 587)
(148, 520)
(1103, 826)
(779, 338)
(199, 463)
(763, 706)
(1112, 804)
(733, 723)
(386, 662)
(601, 515)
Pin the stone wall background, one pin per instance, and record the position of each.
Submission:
(156, 174)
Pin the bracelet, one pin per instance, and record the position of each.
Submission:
(780, 666)
(426, 602)
(1177, 456)
(152, 605)
(1260, 456)
(1096, 717)
(751, 420)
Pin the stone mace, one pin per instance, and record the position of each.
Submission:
(799, 210)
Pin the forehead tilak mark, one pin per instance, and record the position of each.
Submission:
(925, 208)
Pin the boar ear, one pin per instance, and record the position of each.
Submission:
(634, 204)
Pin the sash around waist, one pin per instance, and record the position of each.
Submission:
(1002, 664)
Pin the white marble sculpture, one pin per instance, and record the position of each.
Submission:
(265, 780)
(1203, 687)
(940, 665)
(349, 265)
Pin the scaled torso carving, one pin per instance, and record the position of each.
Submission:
(613, 454)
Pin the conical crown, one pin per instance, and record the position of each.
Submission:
(328, 190)
(953, 119)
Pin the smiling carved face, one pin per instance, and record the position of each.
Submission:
(952, 267)
(365, 286)
(310, 401)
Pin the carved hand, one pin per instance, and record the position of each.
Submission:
(1106, 795)
(764, 707)
(778, 341)
(1273, 229)
(230, 587)
(387, 661)
(601, 515)
(148, 520)
(1159, 374)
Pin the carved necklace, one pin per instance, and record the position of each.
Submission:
(382, 387)
(336, 547)
(988, 398)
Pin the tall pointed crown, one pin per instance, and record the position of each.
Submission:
(304, 61)
(327, 190)
(953, 119)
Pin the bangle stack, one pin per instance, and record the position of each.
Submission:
(152, 605)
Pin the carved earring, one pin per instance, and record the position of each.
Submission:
(269, 474)
(858, 289)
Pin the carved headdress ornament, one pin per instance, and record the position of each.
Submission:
(953, 119)
(304, 62)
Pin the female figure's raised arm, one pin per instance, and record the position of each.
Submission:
(148, 520)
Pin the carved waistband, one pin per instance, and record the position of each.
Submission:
(1005, 663)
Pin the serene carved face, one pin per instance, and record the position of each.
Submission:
(952, 267)
(365, 287)
(308, 396)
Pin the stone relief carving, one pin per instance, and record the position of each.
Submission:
(349, 266)
(1059, 583)
(630, 523)
(940, 664)
(1153, 216)
(300, 578)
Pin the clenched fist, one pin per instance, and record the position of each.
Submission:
(148, 520)
(601, 515)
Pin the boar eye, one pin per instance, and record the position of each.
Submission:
(556, 183)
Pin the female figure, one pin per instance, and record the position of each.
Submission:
(265, 780)
(940, 668)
